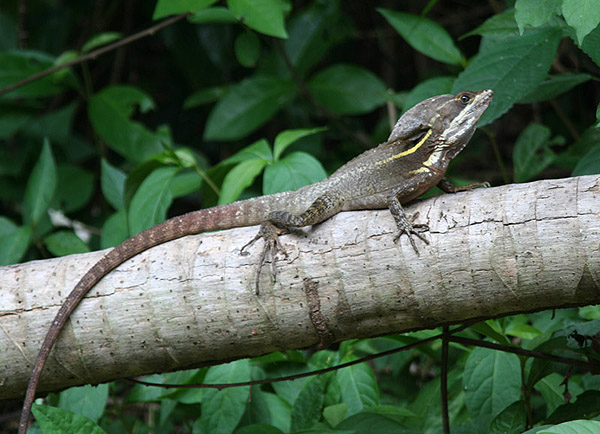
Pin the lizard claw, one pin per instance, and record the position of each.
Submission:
(410, 229)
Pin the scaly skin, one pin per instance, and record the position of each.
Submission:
(413, 160)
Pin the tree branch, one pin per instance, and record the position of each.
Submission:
(191, 302)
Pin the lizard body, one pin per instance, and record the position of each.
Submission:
(412, 161)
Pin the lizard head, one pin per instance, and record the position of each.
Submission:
(450, 119)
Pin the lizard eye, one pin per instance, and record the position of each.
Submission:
(465, 99)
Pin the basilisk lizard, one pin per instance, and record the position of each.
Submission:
(413, 160)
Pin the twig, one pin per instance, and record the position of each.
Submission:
(93, 54)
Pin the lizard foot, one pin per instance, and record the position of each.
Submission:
(270, 233)
(410, 229)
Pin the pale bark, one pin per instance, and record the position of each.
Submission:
(191, 302)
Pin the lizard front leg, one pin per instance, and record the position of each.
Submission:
(447, 187)
(404, 225)
(279, 222)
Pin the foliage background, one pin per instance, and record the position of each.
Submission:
(246, 98)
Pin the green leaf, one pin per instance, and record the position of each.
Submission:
(426, 89)
(492, 381)
(112, 182)
(258, 150)
(88, 401)
(205, 96)
(247, 49)
(41, 187)
(258, 428)
(589, 163)
(288, 137)
(587, 406)
(248, 105)
(75, 188)
(532, 153)
(359, 387)
(511, 67)
(217, 14)
(18, 65)
(523, 331)
(151, 201)
(239, 178)
(306, 410)
(56, 420)
(370, 423)
(292, 172)
(174, 7)
(13, 242)
(582, 15)
(334, 414)
(553, 86)
(591, 45)
(63, 243)
(513, 419)
(100, 40)
(348, 89)
(425, 36)
(114, 230)
(222, 410)
(109, 111)
(574, 427)
(264, 16)
(497, 26)
(489, 329)
(552, 391)
(534, 12)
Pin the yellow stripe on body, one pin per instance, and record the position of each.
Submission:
(408, 151)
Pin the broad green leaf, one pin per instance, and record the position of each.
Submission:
(217, 14)
(258, 428)
(574, 427)
(426, 89)
(288, 137)
(88, 401)
(114, 230)
(264, 16)
(205, 96)
(552, 391)
(425, 36)
(112, 182)
(370, 423)
(492, 381)
(523, 331)
(41, 187)
(553, 86)
(489, 330)
(63, 243)
(532, 153)
(511, 67)
(186, 183)
(306, 410)
(109, 111)
(75, 188)
(56, 420)
(334, 414)
(280, 411)
(292, 172)
(513, 419)
(586, 406)
(151, 201)
(534, 12)
(359, 387)
(498, 26)
(589, 163)
(100, 40)
(590, 312)
(18, 65)
(6, 226)
(222, 410)
(575, 152)
(13, 118)
(239, 178)
(14, 244)
(348, 89)
(582, 15)
(258, 150)
(310, 35)
(591, 45)
(173, 7)
(248, 105)
(247, 49)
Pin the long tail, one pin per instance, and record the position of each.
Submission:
(222, 217)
